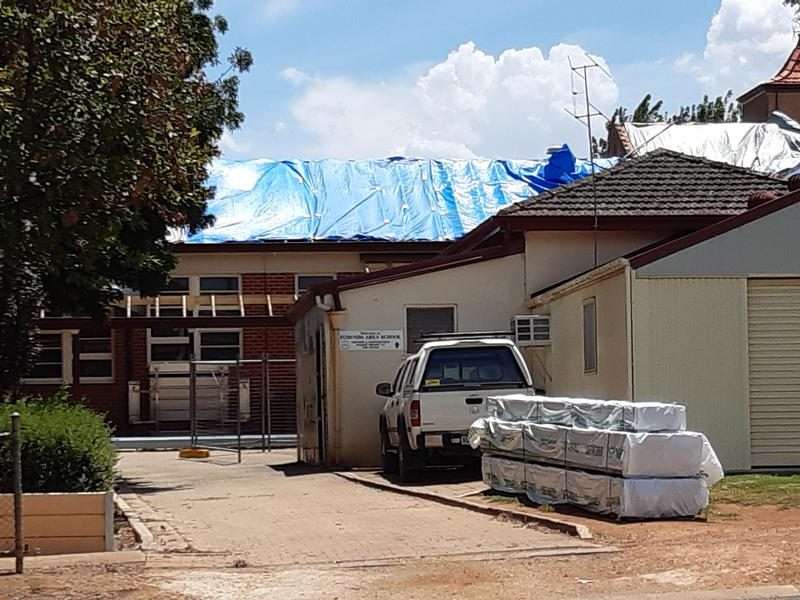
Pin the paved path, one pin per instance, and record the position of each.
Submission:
(270, 512)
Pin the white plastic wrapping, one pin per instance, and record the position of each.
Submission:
(631, 455)
(501, 437)
(604, 494)
(503, 475)
(579, 412)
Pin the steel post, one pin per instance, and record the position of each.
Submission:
(263, 402)
(269, 407)
(193, 402)
(16, 440)
(238, 411)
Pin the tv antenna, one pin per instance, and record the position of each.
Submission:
(591, 111)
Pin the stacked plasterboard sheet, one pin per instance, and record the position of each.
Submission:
(616, 415)
(630, 459)
(676, 454)
(600, 493)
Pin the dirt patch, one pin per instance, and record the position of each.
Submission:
(84, 583)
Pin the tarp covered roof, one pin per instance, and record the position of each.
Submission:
(772, 147)
(396, 199)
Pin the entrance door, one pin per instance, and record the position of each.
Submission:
(774, 356)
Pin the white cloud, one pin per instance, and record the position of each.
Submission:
(275, 9)
(294, 75)
(471, 104)
(746, 43)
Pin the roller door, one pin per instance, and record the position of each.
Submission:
(774, 357)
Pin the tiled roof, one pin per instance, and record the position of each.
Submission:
(661, 183)
(790, 73)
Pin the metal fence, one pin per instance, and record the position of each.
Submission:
(228, 398)
(11, 535)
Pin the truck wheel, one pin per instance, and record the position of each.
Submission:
(388, 458)
(406, 460)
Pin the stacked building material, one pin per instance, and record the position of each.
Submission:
(620, 458)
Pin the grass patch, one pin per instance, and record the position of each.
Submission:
(755, 490)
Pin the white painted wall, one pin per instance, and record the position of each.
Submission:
(553, 256)
(611, 380)
(690, 346)
(486, 296)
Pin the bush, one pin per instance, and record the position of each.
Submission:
(65, 447)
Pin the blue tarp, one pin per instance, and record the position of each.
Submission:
(389, 199)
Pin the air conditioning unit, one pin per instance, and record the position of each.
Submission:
(531, 330)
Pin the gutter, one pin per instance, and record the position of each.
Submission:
(579, 282)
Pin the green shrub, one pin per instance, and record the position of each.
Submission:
(65, 447)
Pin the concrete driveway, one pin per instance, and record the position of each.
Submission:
(268, 511)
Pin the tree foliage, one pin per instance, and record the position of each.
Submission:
(108, 120)
(722, 109)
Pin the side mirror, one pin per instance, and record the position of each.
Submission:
(384, 389)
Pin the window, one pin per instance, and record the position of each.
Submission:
(408, 383)
(219, 345)
(590, 336)
(478, 368)
(95, 357)
(50, 361)
(304, 282)
(219, 285)
(203, 344)
(425, 320)
(176, 286)
(399, 377)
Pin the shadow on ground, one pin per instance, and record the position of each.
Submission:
(134, 485)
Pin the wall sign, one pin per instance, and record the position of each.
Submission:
(371, 340)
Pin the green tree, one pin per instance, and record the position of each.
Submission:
(108, 120)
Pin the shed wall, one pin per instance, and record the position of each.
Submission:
(690, 347)
(766, 246)
(610, 381)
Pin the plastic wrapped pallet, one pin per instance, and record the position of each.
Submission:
(502, 437)
(545, 485)
(503, 475)
(514, 407)
(578, 412)
(637, 498)
(545, 443)
(677, 454)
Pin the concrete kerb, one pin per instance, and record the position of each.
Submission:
(142, 534)
(580, 531)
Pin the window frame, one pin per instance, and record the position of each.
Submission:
(297, 276)
(109, 356)
(193, 339)
(66, 360)
(201, 292)
(587, 369)
(407, 337)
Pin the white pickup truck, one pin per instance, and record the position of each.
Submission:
(436, 395)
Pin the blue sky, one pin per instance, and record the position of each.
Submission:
(359, 78)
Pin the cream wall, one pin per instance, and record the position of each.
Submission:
(690, 347)
(222, 263)
(553, 256)
(486, 296)
(611, 380)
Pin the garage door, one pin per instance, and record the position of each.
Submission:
(774, 344)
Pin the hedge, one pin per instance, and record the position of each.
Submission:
(65, 446)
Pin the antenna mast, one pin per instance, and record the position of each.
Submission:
(582, 71)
